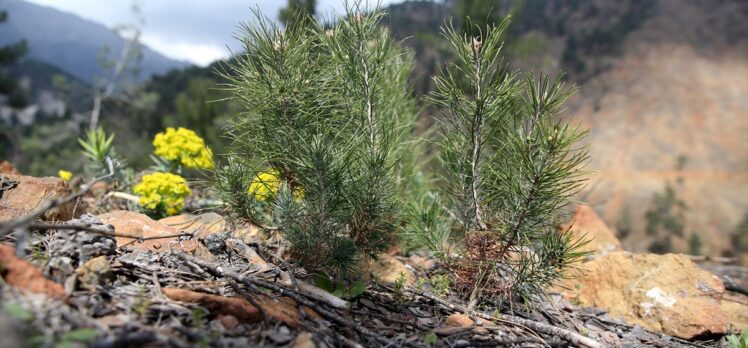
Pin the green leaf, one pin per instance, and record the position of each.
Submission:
(357, 289)
(15, 310)
(80, 335)
(324, 283)
(430, 339)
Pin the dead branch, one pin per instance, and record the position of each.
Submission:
(572, 337)
(298, 296)
(87, 228)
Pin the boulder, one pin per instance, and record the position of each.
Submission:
(666, 293)
(20, 195)
(587, 224)
(141, 226)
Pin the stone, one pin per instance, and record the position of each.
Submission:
(8, 168)
(459, 320)
(388, 269)
(284, 309)
(229, 322)
(238, 307)
(735, 306)
(424, 263)
(587, 224)
(304, 340)
(23, 194)
(205, 228)
(91, 273)
(201, 226)
(21, 274)
(248, 234)
(141, 226)
(666, 293)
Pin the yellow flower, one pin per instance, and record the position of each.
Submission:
(162, 193)
(267, 184)
(65, 175)
(183, 146)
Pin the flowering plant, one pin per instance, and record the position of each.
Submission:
(65, 175)
(162, 193)
(267, 184)
(183, 148)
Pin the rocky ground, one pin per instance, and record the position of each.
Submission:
(86, 273)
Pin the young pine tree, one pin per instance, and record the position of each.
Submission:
(325, 114)
(511, 165)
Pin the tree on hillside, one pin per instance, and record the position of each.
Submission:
(8, 55)
(125, 66)
(297, 10)
(13, 92)
(481, 13)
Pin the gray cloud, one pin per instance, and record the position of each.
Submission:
(194, 30)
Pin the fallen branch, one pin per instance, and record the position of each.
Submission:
(299, 296)
(87, 228)
(569, 336)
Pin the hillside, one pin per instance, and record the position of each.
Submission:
(70, 42)
(678, 89)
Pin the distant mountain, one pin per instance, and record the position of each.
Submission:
(70, 42)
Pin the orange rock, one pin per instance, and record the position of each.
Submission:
(735, 307)
(304, 340)
(459, 320)
(8, 168)
(586, 224)
(240, 308)
(91, 273)
(666, 293)
(228, 321)
(136, 224)
(248, 234)
(21, 274)
(200, 226)
(28, 193)
(284, 309)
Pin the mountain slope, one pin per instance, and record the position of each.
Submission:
(70, 42)
(679, 88)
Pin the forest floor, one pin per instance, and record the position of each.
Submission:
(120, 279)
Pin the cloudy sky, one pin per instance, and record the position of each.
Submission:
(198, 31)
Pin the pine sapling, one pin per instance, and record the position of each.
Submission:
(511, 166)
(326, 112)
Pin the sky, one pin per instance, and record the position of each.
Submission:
(198, 31)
